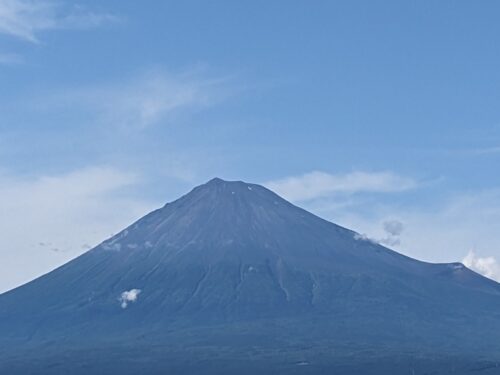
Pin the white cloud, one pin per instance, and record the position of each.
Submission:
(68, 212)
(25, 19)
(319, 184)
(128, 297)
(487, 266)
(153, 97)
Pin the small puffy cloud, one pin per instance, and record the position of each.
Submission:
(25, 19)
(393, 227)
(390, 241)
(129, 296)
(319, 184)
(486, 266)
(393, 230)
(360, 237)
(364, 237)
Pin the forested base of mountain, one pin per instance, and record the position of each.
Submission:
(131, 358)
(263, 347)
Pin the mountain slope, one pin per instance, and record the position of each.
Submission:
(233, 264)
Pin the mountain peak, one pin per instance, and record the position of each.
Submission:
(219, 188)
(216, 181)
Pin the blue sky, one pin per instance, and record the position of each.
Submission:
(365, 112)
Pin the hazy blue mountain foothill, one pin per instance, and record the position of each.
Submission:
(231, 278)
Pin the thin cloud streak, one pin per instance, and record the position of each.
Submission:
(318, 184)
(11, 59)
(26, 19)
(487, 151)
(144, 100)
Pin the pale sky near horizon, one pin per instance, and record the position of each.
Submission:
(381, 116)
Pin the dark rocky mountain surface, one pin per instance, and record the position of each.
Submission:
(232, 278)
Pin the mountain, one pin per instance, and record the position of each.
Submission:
(232, 278)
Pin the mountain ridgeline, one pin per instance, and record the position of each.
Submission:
(233, 278)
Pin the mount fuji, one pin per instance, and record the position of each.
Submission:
(231, 278)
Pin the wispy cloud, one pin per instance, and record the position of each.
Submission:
(26, 19)
(10, 59)
(147, 99)
(61, 212)
(319, 184)
(487, 151)
(486, 266)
